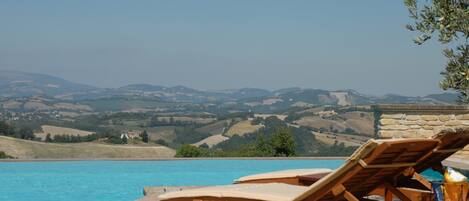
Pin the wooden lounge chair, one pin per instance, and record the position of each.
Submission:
(415, 186)
(450, 142)
(376, 163)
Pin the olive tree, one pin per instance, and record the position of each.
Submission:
(450, 19)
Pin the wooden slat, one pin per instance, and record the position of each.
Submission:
(392, 165)
(387, 195)
(396, 192)
(447, 150)
(422, 181)
(338, 189)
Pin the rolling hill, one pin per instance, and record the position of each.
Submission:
(14, 84)
(25, 149)
(20, 84)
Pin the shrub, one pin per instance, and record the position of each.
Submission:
(161, 142)
(3, 155)
(144, 136)
(189, 151)
(283, 143)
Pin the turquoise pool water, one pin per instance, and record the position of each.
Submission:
(124, 180)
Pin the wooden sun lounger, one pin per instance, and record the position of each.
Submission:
(374, 164)
(450, 142)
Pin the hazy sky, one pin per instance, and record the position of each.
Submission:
(220, 44)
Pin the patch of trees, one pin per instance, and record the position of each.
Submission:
(188, 135)
(25, 133)
(234, 115)
(144, 136)
(305, 143)
(297, 116)
(161, 142)
(189, 151)
(71, 138)
(281, 144)
(156, 121)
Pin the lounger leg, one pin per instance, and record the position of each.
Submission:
(423, 181)
(339, 190)
(396, 192)
(387, 195)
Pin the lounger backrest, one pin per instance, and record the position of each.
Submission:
(372, 165)
(450, 143)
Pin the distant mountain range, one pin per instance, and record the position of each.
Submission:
(15, 84)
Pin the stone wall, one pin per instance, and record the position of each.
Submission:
(408, 121)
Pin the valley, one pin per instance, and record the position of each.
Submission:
(162, 119)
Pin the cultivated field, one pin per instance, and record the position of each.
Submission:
(241, 128)
(189, 119)
(55, 130)
(215, 128)
(165, 133)
(361, 122)
(212, 140)
(331, 139)
(25, 149)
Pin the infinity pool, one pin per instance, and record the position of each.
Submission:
(124, 180)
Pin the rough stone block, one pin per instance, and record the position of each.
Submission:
(425, 133)
(435, 123)
(429, 117)
(415, 127)
(410, 134)
(395, 127)
(412, 117)
(388, 121)
(407, 122)
(462, 116)
(427, 127)
(386, 134)
(393, 116)
(444, 117)
(453, 123)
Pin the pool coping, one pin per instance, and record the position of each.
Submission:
(172, 159)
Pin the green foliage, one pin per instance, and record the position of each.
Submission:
(283, 143)
(161, 142)
(262, 143)
(3, 155)
(188, 135)
(156, 121)
(336, 150)
(25, 133)
(6, 129)
(114, 140)
(144, 136)
(124, 140)
(189, 151)
(204, 146)
(48, 138)
(71, 138)
(451, 20)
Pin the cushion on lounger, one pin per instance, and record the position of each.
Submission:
(271, 192)
(284, 174)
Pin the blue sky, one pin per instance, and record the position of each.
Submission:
(221, 44)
